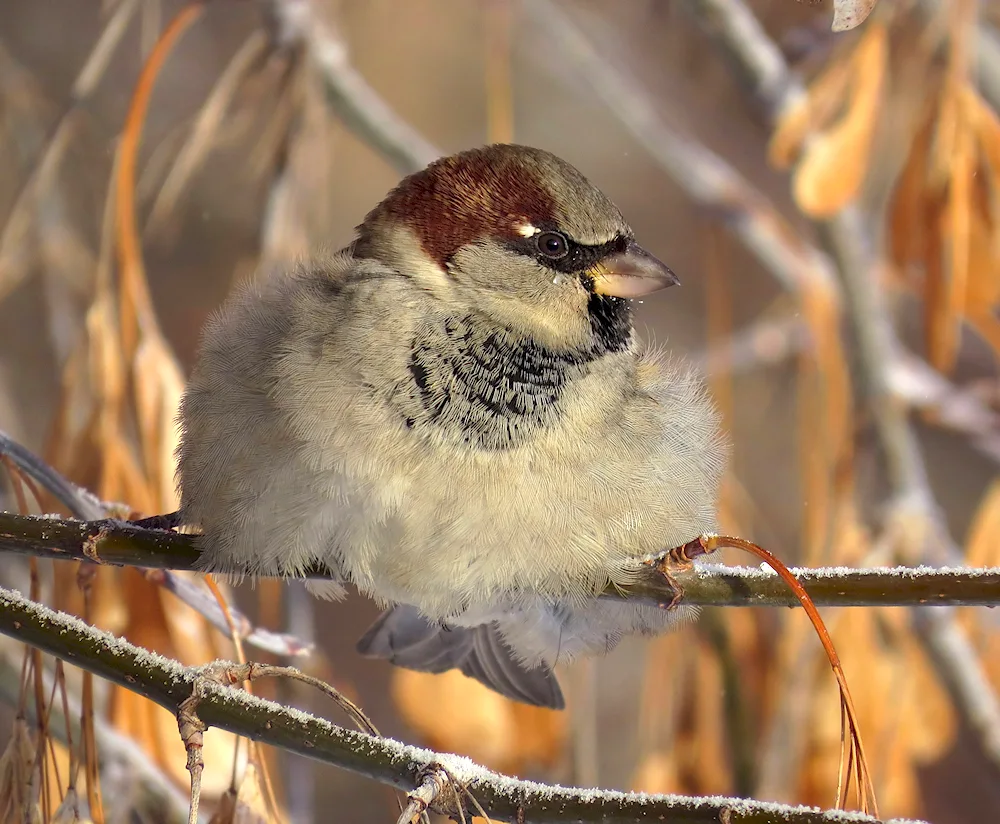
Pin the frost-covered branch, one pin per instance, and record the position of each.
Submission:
(119, 543)
(168, 683)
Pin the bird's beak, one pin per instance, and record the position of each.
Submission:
(631, 274)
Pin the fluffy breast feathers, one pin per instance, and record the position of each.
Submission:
(387, 435)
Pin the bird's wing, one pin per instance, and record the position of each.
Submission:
(406, 638)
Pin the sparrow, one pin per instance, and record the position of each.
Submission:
(454, 414)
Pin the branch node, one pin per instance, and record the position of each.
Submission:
(434, 780)
(93, 541)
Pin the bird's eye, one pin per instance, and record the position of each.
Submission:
(552, 245)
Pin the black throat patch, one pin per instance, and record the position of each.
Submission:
(478, 384)
(610, 322)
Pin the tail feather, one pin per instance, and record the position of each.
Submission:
(407, 639)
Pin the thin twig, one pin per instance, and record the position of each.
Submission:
(912, 380)
(201, 138)
(348, 93)
(43, 173)
(706, 177)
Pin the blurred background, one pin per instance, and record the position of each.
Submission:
(830, 203)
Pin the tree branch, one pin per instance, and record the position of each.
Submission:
(168, 683)
(356, 103)
(120, 543)
(848, 241)
(705, 177)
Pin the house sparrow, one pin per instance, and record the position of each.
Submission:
(454, 414)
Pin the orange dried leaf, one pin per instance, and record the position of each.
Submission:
(808, 113)
(791, 130)
(824, 398)
(542, 734)
(936, 729)
(159, 384)
(18, 778)
(709, 742)
(981, 546)
(944, 312)
(987, 128)
(983, 283)
(658, 773)
(950, 122)
(246, 804)
(907, 241)
(982, 550)
(835, 162)
(479, 722)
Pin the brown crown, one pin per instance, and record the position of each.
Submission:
(480, 193)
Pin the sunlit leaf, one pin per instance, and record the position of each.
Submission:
(835, 161)
(481, 724)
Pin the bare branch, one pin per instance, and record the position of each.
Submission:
(43, 174)
(502, 798)
(356, 103)
(707, 178)
(912, 380)
(120, 543)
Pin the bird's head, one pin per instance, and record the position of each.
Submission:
(519, 235)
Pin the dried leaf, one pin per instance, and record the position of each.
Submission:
(658, 773)
(159, 384)
(983, 288)
(907, 237)
(945, 315)
(907, 715)
(834, 163)
(19, 782)
(981, 546)
(247, 804)
(708, 741)
(983, 279)
(809, 113)
(542, 734)
(479, 723)
(982, 549)
(824, 404)
(849, 14)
